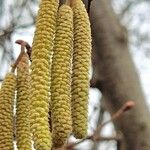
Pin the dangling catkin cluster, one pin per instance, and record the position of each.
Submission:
(61, 77)
(80, 71)
(58, 83)
(40, 75)
(7, 95)
(23, 135)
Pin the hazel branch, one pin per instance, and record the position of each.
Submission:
(127, 106)
(26, 45)
(95, 137)
(18, 59)
(89, 5)
(116, 138)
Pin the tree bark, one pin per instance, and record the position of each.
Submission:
(116, 77)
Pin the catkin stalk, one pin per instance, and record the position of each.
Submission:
(61, 77)
(40, 75)
(7, 95)
(23, 136)
(80, 71)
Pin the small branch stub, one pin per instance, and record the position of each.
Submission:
(18, 59)
(26, 45)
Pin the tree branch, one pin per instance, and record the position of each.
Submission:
(95, 137)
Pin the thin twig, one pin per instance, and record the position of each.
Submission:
(116, 138)
(127, 106)
(95, 137)
(89, 5)
(68, 2)
(28, 47)
(18, 59)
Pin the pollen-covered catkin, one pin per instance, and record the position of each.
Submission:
(61, 77)
(40, 74)
(23, 136)
(80, 71)
(7, 95)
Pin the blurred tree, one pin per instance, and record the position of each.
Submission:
(115, 76)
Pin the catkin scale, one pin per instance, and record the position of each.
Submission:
(7, 95)
(80, 71)
(61, 77)
(40, 74)
(23, 136)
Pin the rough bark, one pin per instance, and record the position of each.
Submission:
(116, 77)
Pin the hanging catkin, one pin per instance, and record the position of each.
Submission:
(80, 72)
(23, 136)
(40, 75)
(61, 77)
(7, 94)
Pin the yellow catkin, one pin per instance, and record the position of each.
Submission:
(61, 77)
(7, 95)
(80, 72)
(23, 136)
(40, 73)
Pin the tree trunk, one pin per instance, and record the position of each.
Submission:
(115, 75)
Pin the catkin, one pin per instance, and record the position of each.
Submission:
(23, 136)
(7, 94)
(40, 73)
(80, 71)
(61, 77)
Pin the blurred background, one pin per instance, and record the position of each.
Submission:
(17, 21)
